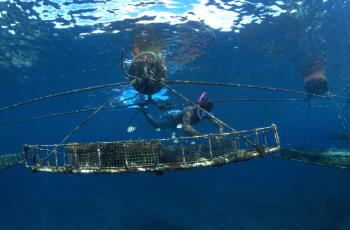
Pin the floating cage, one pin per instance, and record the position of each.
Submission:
(335, 158)
(156, 155)
(9, 160)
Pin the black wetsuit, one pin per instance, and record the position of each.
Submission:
(186, 117)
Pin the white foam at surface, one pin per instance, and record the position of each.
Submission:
(98, 31)
(223, 16)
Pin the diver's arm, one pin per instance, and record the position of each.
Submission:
(186, 124)
(163, 106)
(150, 118)
(218, 124)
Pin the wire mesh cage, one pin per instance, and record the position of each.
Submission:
(333, 157)
(156, 155)
(8, 160)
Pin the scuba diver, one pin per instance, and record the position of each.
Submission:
(148, 74)
(184, 118)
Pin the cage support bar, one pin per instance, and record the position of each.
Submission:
(267, 88)
(91, 88)
(343, 121)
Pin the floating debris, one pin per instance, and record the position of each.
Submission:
(131, 129)
(176, 141)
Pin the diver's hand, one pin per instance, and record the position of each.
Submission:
(221, 129)
(164, 106)
(149, 100)
(221, 132)
(142, 107)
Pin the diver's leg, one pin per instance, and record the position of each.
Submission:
(186, 123)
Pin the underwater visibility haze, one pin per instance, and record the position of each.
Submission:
(277, 64)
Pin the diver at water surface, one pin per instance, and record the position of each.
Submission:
(314, 74)
(185, 118)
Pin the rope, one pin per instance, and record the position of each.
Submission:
(125, 106)
(254, 87)
(320, 106)
(61, 114)
(343, 121)
(306, 125)
(91, 88)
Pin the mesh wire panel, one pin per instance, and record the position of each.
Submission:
(83, 155)
(225, 144)
(114, 155)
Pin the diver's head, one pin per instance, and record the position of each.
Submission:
(314, 74)
(149, 72)
(315, 82)
(205, 104)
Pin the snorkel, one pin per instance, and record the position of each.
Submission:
(200, 101)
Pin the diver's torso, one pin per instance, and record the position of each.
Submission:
(175, 117)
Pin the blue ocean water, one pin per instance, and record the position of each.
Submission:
(57, 45)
